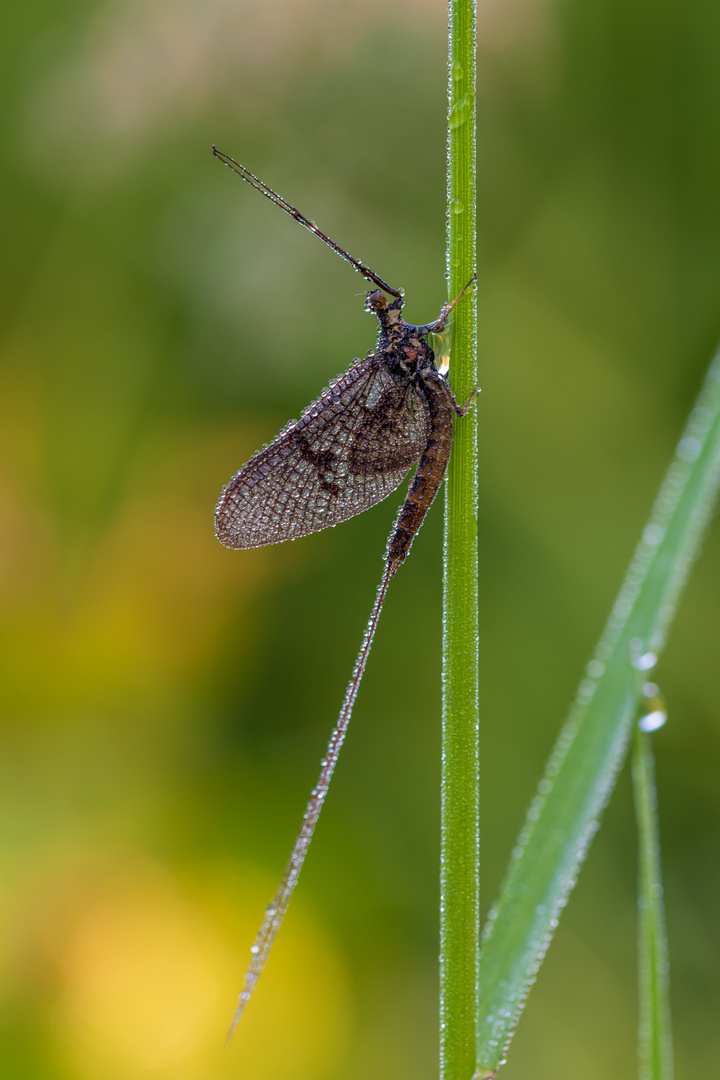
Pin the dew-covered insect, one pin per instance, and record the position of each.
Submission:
(350, 449)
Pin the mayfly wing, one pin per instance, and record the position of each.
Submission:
(348, 451)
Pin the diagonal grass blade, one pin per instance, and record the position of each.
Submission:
(581, 772)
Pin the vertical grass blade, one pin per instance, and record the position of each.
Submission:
(581, 772)
(459, 905)
(655, 1049)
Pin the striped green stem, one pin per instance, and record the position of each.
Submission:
(459, 910)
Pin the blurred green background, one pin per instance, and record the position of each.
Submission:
(166, 702)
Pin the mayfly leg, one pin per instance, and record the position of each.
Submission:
(439, 323)
(278, 905)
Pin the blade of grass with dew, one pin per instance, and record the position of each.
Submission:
(655, 1050)
(583, 767)
(459, 886)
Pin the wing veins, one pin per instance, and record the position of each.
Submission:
(348, 451)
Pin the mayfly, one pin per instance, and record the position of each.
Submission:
(349, 450)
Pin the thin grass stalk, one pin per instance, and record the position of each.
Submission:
(459, 906)
(655, 1050)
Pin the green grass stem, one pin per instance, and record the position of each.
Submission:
(459, 907)
(655, 1049)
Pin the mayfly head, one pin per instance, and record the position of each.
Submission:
(377, 302)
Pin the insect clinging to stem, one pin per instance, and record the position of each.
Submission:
(350, 449)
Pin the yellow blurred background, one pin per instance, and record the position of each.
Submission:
(165, 702)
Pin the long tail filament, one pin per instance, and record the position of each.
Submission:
(278, 906)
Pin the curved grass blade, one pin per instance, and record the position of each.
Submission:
(581, 772)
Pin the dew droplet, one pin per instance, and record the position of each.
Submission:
(458, 114)
(652, 720)
(653, 534)
(689, 448)
(645, 662)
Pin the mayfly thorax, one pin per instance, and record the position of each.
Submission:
(350, 449)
